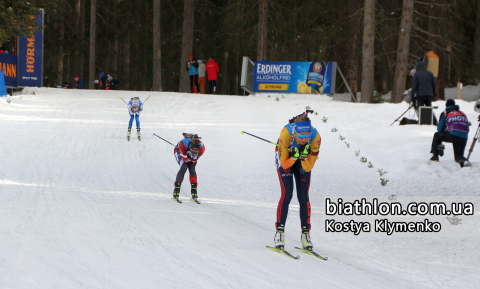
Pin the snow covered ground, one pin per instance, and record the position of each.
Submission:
(80, 207)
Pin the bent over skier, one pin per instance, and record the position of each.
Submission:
(135, 106)
(296, 154)
(187, 153)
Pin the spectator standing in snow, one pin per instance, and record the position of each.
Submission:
(103, 81)
(96, 84)
(432, 62)
(192, 68)
(79, 83)
(424, 87)
(452, 127)
(212, 70)
(201, 76)
(113, 83)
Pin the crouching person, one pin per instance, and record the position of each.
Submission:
(453, 128)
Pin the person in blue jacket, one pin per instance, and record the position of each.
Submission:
(453, 128)
(192, 68)
(79, 83)
(103, 81)
(135, 106)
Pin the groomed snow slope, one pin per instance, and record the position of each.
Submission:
(80, 207)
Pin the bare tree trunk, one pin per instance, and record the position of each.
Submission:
(476, 51)
(67, 68)
(354, 68)
(368, 50)
(93, 25)
(224, 73)
(81, 41)
(262, 30)
(187, 44)
(126, 62)
(61, 30)
(115, 55)
(237, 74)
(157, 51)
(353, 72)
(403, 49)
(76, 50)
(295, 13)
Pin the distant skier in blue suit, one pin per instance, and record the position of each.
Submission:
(135, 106)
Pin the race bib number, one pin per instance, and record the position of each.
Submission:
(135, 105)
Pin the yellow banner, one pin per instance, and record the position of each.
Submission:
(267, 86)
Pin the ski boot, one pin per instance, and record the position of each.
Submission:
(306, 241)
(434, 158)
(194, 191)
(129, 133)
(465, 163)
(440, 149)
(176, 191)
(138, 134)
(279, 239)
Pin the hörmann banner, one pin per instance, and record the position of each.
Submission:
(30, 56)
(8, 64)
(295, 77)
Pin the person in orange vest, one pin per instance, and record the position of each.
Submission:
(431, 61)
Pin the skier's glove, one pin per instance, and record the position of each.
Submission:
(304, 151)
(295, 153)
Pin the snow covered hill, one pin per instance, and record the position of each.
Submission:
(80, 207)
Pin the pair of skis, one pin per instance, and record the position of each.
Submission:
(306, 251)
(191, 199)
(138, 136)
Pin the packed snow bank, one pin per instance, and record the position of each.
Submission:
(82, 207)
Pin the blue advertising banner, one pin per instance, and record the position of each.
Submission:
(294, 77)
(30, 57)
(8, 64)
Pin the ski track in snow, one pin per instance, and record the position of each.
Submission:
(82, 207)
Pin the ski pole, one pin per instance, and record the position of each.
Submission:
(242, 132)
(166, 141)
(124, 101)
(147, 99)
(276, 144)
(402, 114)
(473, 143)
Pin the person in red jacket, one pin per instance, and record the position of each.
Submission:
(212, 70)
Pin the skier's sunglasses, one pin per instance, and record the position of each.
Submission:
(304, 135)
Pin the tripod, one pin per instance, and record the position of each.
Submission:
(410, 107)
(474, 139)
